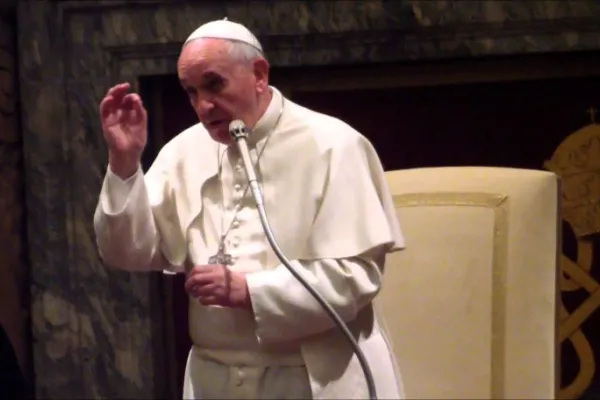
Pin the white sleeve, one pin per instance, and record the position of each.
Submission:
(284, 310)
(126, 233)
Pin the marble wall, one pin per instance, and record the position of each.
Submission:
(98, 333)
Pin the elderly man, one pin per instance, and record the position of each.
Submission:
(256, 331)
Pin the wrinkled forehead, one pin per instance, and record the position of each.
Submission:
(202, 54)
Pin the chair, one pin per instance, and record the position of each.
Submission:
(470, 305)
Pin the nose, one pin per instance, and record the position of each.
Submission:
(203, 107)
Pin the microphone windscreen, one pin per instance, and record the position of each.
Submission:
(237, 129)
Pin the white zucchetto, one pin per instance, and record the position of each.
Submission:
(224, 29)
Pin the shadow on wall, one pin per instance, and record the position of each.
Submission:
(12, 383)
(15, 340)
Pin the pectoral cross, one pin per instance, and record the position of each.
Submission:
(221, 258)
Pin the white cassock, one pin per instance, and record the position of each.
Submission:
(332, 214)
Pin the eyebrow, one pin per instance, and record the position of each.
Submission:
(206, 76)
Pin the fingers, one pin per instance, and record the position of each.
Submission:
(129, 101)
(107, 105)
(203, 280)
(118, 97)
(119, 90)
(206, 275)
(112, 98)
(133, 102)
(189, 286)
(205, 295)
(209, 301)
(198, 279)
(205, 290)
(115, 94)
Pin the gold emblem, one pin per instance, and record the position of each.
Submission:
(577, 162)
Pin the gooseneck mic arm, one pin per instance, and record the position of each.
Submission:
(239, 132)
(237, 129)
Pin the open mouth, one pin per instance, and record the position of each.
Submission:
(215, 124)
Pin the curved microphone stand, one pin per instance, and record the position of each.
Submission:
(239, 132)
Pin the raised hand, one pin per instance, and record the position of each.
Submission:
(125, 129)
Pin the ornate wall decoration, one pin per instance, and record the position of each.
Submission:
(577, 161)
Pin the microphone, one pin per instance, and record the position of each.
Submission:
(239, 133)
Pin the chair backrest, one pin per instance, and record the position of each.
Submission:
(471, 304)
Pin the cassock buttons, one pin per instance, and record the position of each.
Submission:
(237, 187)
(240, 377)
(236, 223)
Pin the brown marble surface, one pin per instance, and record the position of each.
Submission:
(99, 333)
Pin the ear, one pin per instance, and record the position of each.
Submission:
(261, 74)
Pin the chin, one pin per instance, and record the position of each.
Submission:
(221, 135)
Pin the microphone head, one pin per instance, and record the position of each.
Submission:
(237, 129)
